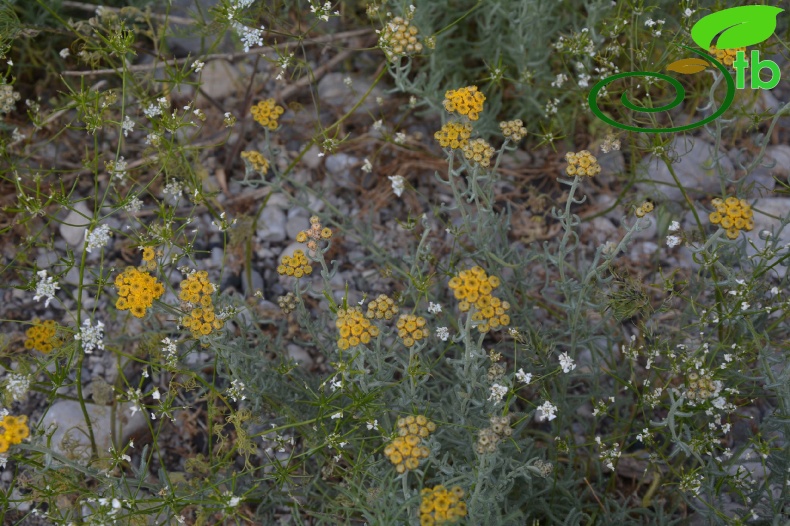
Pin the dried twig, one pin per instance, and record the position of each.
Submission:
(226, 56)
(157, 16)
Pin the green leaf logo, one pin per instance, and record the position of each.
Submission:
(740, 26)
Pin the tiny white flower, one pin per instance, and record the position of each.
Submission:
(337, 415)
(498, 392)
(155, 394)
(97, 238)
(434, 308)
(443, 333)
(673, 241)
(523, 377)
(674, 227)
(45, 288)
(397, 184)
(64, 52)
(373, 425)
(566, 362)
(367, 166)
(198, 65)
(547, 410)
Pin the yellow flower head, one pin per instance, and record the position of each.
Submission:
(582, 164)
(733, 215)
(353, 328)
(42, 336)
(454, 134)
(464, 101)
(256, 160)
(266, 113)
(411, 329)
(513, 130)
(441, 506)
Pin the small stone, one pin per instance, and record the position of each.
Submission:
(68, 417)
(271, 224)
(334, 92)
(300, 356)
(219, 80)
(73, 227)
(257, 282)
(695, 169)
(311, 157)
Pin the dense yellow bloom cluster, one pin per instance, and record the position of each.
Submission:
(644, 209)
(315, 234)
(266, 113)
(733, 215)
(13, 430)
(398, 38)
(475, 287)
(411, 329)
(296, 265)
(725, 56)
(454, 134)
(137, 291)
(513, 130)
(256, 160)
(582, 163)
(354, 328)
(466, 101)
(382, 307)
(405, 451)
(196, 291)
(441, 506)
(479, 151)
(41, 336)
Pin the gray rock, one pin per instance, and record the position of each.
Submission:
(297, 222)
(696, 170)
(299, 355)
(73, 227)
(46, 258)
(334, 92)
(763, 210)
(311, 158)
(217, 255)
(257, 282)
(219, 79)
(71, 436)
(341, 167)
(272, 224)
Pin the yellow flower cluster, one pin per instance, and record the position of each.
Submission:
(266, 113)
(296, 265)
(148, 258)
(644, 209)
(725, 56)
(137, 291)
(582, 163)
(454, 134)
(354, 328)
(513, 130)
(196, 291)
(405, 451)
(41, 336)
(382, 307)
(466, 101)
(699, 387)
(315, 234)
(733, 215)
(411, 329)
(256, 160)
(398, 38)
(479, 151)
(475, 287)
(14, 431)
(441, 506)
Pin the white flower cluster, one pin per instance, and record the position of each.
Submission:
(173, 188)
(249, 36)
(118, 168)
(45, 288)
(154, 110)
(523, 377)
(236, 391)
(98, 238)
(398, 184)
(323, 12)
(547, 410)
(498, 392)
(91, 337)
(127, 126)
(17, 385)
(434, 308)
(566, 362)
(442, 333)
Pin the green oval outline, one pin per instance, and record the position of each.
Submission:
(726, 103)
